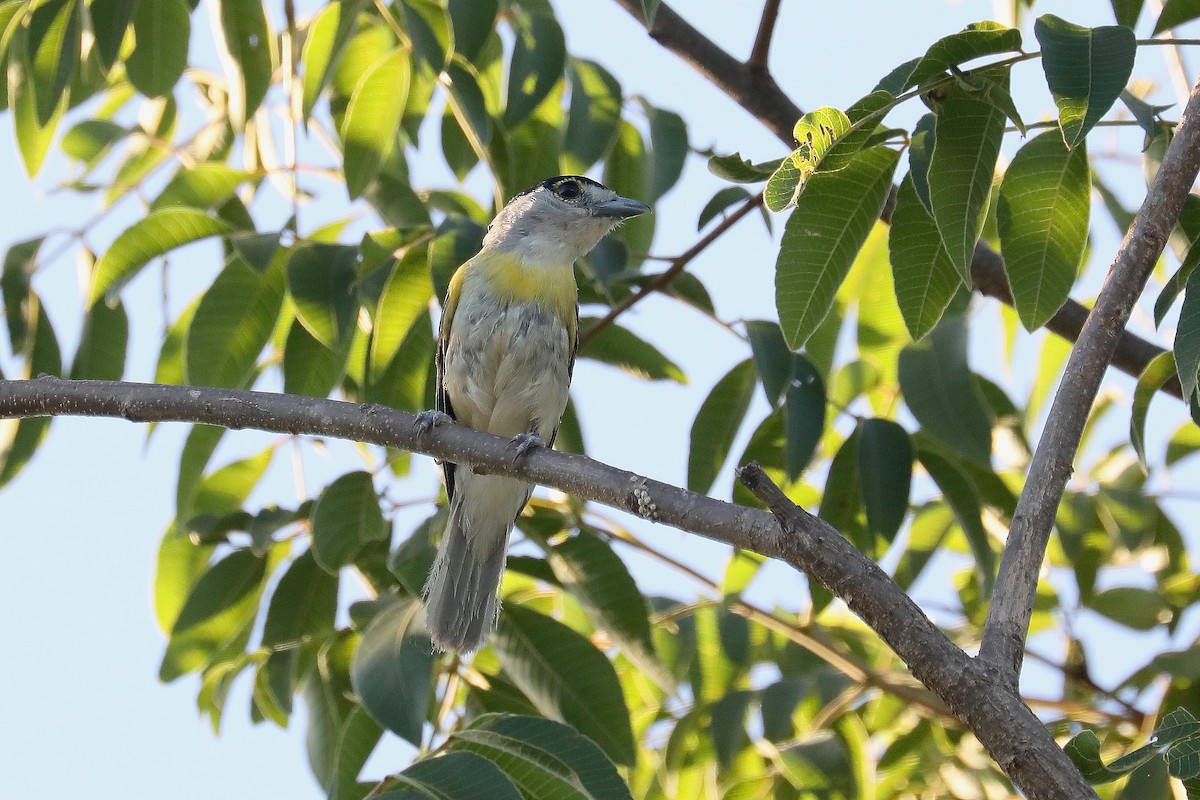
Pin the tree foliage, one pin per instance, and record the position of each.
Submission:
(591, 689)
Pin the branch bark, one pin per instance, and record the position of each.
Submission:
(761, 51)
(1017, 740)
(758, 93)
(1012, 604)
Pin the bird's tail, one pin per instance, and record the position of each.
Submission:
(461, 595)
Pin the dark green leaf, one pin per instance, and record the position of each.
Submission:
(102, 345)
(885, 473)
(161, 29)
(739, 170)
(1042, 218)
(1156, 373)
(472, 22)
(628, 171)
(150, 237)
(346, 517)
(594, 115)
(110, 20)
(219, 609)
(233, 323)
(1086, 70)
(1139, 609)
(42, 357)
(716, 425)
(966, 144)
(20, 262)
(976, 40)
(588, 568)
(245, 42)
(620, 347)
(1147, 115)
(392, 671)
(720, 202)
(962, 496)
(668, 150)
(538, 58)
(320, 279)
(728, 726)
(1127, 11)
(1187, 336)
(34, 134)
(566, 678)
(772, 357)
(805, 415)
(357, 739)
(369, 130)
(55, 30)
(428, 25)
(942, 394)
(923, 275)
(822, 237)
(459, 775)
(1176, 13)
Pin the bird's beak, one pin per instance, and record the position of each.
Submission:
(621, 208)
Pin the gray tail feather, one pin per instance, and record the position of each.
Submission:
(461, 595)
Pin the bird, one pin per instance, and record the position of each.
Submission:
(505, 356)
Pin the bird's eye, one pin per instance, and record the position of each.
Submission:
(568, 190)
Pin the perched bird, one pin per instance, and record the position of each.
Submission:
(505, 356)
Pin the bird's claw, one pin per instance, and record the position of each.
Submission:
(525, 442)
(428, 420)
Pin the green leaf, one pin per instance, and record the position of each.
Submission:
(822, 237)
(110, 21)
(18, 442)
(428, 25)
(91, 140)
(720, 202)
(622, 348)
(472, 22)
(202, 186)
(405, 298)
(805, 411)
(1187, 336)
(1176, 13)
(102, 345)
(233, 323)
(816, 133)
(1042, 218)
(357, 739)
(885, 473)
(458, 775)
(346, 518)
(392, 671)
(324, 42)
(1086, 70)
(566, 678)
(967, 138)
(320, 279)
(628, 171)
(739, 170)
(1157, 372)
(1136, 608)
(219, 609)
(34, 134)
(369, 130)
(1128, 11)
(150, 237)
(717, 423)
(303, 604)
(942, 394)
(538, 59)
(593, 117)
(772, 357)
(975, 41)
(161, 30)
(920, 153)
(1148, 116)
(961, 494)
(925, 279)
(20, 262)
(244, 44)
(55, 30)
(668, 150)
(589, 569)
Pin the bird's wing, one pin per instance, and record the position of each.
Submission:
(441, 397)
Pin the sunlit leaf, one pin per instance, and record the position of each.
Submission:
(369, 130)
(244, 43)
(320, 278)
(326, 39)
(161, 30)
(538, 58)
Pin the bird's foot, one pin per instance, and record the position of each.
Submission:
(428, 420)
(525, 442)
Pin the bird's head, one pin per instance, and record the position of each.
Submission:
(559, 220)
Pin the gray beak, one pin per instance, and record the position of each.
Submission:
(621, 208)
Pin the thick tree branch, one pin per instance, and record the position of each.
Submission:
(1014, 736)
(1012, 604)
(993, 711)
(758, 93)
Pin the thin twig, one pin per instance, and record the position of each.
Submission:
(762, 42)
(1007, 625)
(678, 264)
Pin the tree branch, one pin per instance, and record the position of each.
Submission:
(1013, 735)
(758, 93)
(678, 264)
(762, 41)
(994, 712)
(1012, 604)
